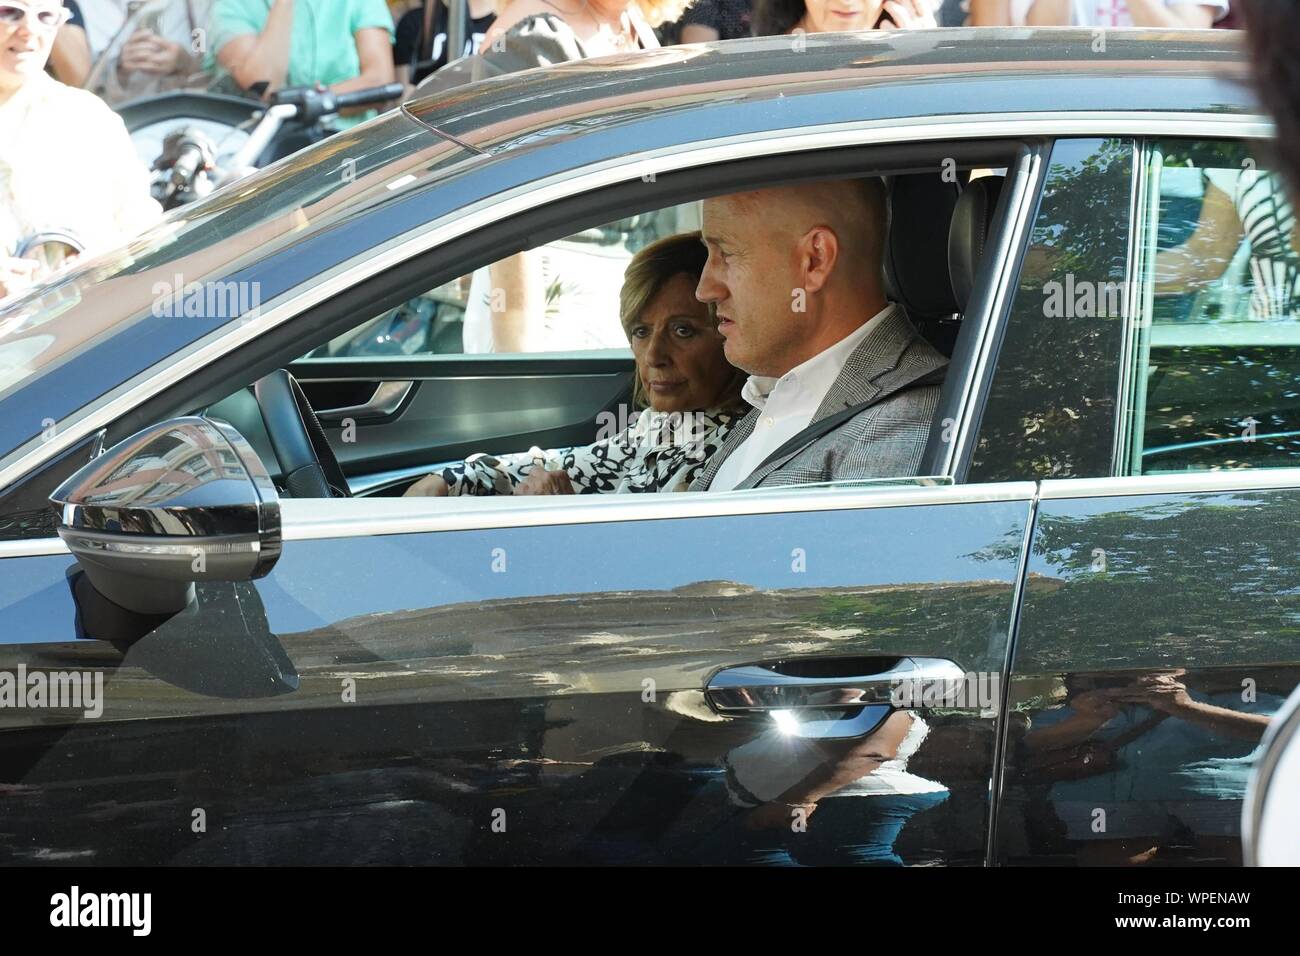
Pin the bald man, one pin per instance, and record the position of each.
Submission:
(842, 385)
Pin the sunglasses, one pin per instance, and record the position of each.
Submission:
(48, 18)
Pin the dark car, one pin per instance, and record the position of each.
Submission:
(1060, 644)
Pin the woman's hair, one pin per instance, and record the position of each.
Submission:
(1273, 37)
(656, 12)
(775, 17)
(659, 12)
(682, 254)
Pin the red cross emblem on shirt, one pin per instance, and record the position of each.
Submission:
(1110, 11)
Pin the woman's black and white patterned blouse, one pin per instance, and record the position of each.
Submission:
(660, 451)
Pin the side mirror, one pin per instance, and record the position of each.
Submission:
(182, 501)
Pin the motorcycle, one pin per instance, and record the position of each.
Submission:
(195, 142)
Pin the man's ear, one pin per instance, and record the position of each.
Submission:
(819, 252)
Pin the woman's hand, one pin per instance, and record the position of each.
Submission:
(543, 482)
(146, 52)
(16, 275)
(908, 15)
(430, 486)
(1095, 703)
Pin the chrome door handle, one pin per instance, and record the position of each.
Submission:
(388, 398)
(812, 684)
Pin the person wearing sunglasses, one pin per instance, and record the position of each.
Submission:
(66, 162)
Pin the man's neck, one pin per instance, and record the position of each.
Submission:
(841, 322)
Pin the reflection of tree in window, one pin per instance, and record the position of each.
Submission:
(1050, 411)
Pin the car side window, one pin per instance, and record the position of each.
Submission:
(557, 297)
(1214, 357)
(1050, 411)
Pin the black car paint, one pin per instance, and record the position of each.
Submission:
(443, 685)
(1145, 593)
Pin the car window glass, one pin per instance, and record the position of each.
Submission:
(1215, 357)
(120, 292)
(1050, 411)
(560, 296)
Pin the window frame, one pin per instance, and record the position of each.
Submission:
(545, 221)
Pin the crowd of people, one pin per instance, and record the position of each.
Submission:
(66, 64)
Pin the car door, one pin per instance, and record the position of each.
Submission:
(1151, 386)
(576, 683)
(795, 676)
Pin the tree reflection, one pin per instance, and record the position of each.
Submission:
(1051, 407)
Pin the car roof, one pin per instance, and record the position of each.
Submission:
(883, 74)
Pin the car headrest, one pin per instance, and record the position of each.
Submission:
(920, 210)
(971, 220)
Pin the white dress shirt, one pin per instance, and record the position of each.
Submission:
(66, 163)
(787, 404)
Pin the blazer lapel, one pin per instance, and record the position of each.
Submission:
(878, 354)
(739, 432)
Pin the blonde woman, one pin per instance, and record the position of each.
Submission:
(691, 394)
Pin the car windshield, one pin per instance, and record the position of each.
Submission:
(107, 294)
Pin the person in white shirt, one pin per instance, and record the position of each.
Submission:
(66, 163)
(796, 276)
(1126, 13)
(145, 49)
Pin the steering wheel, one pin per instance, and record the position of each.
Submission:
(306, 459)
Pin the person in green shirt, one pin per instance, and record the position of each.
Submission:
(340, 44)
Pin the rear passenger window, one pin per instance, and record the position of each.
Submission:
(1213, 360)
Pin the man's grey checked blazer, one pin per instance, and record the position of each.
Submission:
(885, 440)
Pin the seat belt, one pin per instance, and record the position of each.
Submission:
(831, 422)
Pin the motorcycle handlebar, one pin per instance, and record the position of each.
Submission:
(368, 97)
(312, 105)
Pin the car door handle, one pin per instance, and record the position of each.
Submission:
(388, 398)
(822, 684)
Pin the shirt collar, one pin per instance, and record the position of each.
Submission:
(33, 88)
(817, 373)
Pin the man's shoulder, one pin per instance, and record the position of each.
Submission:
(920, 354)
(893, 356)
